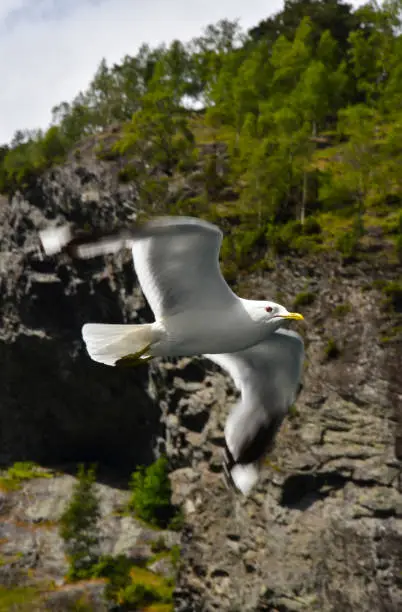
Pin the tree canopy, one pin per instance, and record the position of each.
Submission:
(307, 104)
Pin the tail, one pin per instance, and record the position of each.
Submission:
(107, 343)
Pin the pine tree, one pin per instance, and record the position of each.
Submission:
(78, 525)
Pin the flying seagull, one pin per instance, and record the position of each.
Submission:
(176, 260)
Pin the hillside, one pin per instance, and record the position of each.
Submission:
(295, 154)
(307, 104)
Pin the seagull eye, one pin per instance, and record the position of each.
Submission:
(268, 308)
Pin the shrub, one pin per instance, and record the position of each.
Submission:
(151, 493)
(293, 412)
(78, 526)
(21, 598)
(293, 236)
(331, 351)
(20, 471)
(393, 293)
(304, 298)
(398, 246)
(247, 243)
(105, 152)
(341, 310)
(311, 226)
(347, 245)
(146, 587)
(214, 183)
(130, 585)
(159, 545)
(280, 237)
(117, 572)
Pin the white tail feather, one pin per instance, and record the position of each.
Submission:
(245, 477)
(106, 343)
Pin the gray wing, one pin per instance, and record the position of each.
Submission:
(177, 265)
(268, 376)
(176, 260)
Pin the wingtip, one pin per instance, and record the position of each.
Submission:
(240, 477)
(245, 477)
(54, 239)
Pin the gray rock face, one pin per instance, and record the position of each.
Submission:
(323, 529)
(56, 405)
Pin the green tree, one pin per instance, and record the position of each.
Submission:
(156, 139)
(151, 493)
(334, 16)
(54, 145)
(208, 53)
(79, 525)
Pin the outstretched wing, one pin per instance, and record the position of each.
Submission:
(268, 377)
(177, 265)
(176, 260)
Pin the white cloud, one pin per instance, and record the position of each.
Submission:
(50, 49)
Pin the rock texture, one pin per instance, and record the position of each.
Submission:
(32, 549)
(322, 531)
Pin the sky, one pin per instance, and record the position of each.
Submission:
(50, 49)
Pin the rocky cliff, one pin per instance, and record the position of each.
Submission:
(323, 530)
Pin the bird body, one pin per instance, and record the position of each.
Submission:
(176, 260)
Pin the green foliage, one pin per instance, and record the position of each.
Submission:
(246, 243)
(331, 350)
(348, 243)
(159, 545)
(295, 236)
(175, 555)
(151, 494)
(127, 585)
(307, 103)
(20, 471)
(304, 298)
(311, 227)
(293, 412)
(130, 585)
(79, 525)
(341, 310)
(157, 136)
(18, 598)
(393, 293)
(31, 155)
(82, 604)
(214, 181)
(146, 588)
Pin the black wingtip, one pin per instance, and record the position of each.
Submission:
(227, 464)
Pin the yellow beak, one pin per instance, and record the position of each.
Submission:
(293, 315)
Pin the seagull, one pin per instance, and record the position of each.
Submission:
(176, 260)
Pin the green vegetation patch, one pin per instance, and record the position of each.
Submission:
(127, 584)
(393, 295)
(131, 585)
(16, 474)
(18, 599)
(341, 310)
(304, 298)
(151, 496)
(296, 151)
(331, 350)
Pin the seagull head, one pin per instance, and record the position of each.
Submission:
(271, 314)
